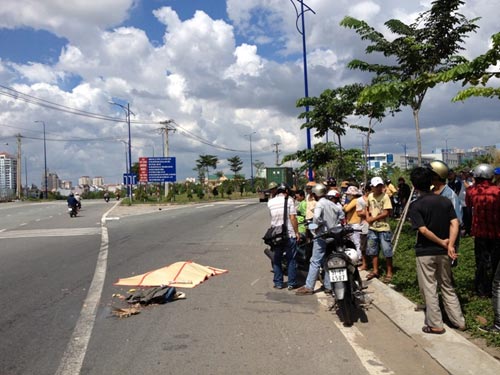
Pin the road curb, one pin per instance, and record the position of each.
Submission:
(454, 352)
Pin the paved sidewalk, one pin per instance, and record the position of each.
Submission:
(454, 352)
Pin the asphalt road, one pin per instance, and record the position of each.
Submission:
(54, 267)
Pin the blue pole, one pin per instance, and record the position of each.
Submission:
(306, 83)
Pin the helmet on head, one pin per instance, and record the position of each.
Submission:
(330, 181)
(485, 171)
(333, 194)
(319, 190)
(71, 194)
(272, 185)
(440, 168)
(283, 188)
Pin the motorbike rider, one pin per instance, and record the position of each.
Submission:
(106, 196)
(79, 200)
(72, 201)
(326, 215)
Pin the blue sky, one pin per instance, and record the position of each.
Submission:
(220, 69)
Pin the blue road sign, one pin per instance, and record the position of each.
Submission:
(129, 179)
(162, 169)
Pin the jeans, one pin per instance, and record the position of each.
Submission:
(487, 254)
(291, 252)
(318, 255)
(496, 296)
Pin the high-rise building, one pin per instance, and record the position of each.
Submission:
(84, 180)
(98, 181)
(8, 176)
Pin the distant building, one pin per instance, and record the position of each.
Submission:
(8, 176)
(98, 181)
(67, 185)
(84, 180)
(53, 182)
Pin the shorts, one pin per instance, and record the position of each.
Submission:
(377, 241)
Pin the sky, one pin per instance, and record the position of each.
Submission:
(227, 73)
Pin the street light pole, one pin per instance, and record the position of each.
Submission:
(44, 156)
(127, 116)
(302, 31)
(251, 156)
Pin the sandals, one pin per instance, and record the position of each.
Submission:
(372, 275)
(427, 329)
(387, 279)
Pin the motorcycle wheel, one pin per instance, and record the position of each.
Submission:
(346, 306)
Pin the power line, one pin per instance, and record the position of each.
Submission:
(18, 95)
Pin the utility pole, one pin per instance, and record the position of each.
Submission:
(164, 130)
(277, 151)
(18, 167)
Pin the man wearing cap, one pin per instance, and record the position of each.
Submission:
(272, 189)
(379, 233)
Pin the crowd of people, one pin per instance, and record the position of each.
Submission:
(443, 208)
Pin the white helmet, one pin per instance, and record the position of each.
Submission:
(353, 254)
(485, 171)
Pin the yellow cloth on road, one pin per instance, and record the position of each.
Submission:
(180, 274)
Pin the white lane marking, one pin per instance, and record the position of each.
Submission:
(368, 359)
(72, 360)
(1, 230)
(23, 224)
(51, 232)
(255, 281)
(37, 219)
(112, 218)
(206, 205)
(242, 205)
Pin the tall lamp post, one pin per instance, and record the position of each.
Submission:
(44, 157)
(251, 156)
(127, 115)
(302, 31)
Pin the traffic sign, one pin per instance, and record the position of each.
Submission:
(129, 179)
(157, 169)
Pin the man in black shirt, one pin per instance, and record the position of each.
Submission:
(437, 224)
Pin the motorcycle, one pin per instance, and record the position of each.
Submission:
(73, 211)
(304, 252)
(106, 199)
(341, 264)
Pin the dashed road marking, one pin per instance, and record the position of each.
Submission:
(62, 232)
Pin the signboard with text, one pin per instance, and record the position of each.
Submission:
(157, 169)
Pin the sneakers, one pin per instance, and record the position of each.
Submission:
(278, 287)
(292, 287)
(303, 291)
(489, 329)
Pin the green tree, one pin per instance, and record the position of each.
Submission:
(476, 73)
(330, 112)
(204, 163)
(235, 164)
(427, 46)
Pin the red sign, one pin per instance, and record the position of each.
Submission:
(143, 169)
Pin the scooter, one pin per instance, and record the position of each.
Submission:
(341, 263)
(106, 199)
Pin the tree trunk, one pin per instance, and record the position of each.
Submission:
(419, 141)
(367, 149)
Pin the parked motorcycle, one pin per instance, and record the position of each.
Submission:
(341, 263)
